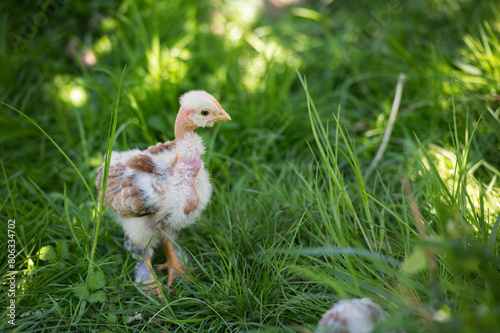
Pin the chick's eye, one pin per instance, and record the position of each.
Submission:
(204, 113)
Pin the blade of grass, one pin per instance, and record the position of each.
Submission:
(390, 125)
(327, 153)
(57, 146)
(111, 139)
(492, 238)
(8, 187)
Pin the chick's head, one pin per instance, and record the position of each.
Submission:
(201, 109)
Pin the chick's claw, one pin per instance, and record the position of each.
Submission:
(175, 270)
(154, 288)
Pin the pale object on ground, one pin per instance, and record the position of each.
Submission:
(352, 316)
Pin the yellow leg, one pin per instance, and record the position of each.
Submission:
(173, 265)
(152, 287)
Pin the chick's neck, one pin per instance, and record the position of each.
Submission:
(187, 161)
(183, 125)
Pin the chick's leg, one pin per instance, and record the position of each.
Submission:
(174, 266)
(143, 269)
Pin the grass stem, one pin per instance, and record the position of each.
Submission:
(390, 125)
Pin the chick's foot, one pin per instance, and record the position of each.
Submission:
(175, 269)
(154, 288)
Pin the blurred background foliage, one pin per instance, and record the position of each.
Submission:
(61, 62)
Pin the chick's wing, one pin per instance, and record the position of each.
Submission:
(124, 193)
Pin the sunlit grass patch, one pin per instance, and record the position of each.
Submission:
(482, 196)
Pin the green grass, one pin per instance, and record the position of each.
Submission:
(294, 224)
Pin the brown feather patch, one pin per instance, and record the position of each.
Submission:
(128, 182)
(142, 163)
(160, 147)
(114, 173)
(122, 194)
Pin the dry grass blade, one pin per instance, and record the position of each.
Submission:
(390, 126)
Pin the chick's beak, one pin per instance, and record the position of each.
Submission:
(221, 116)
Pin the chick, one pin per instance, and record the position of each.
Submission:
(158, 191)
